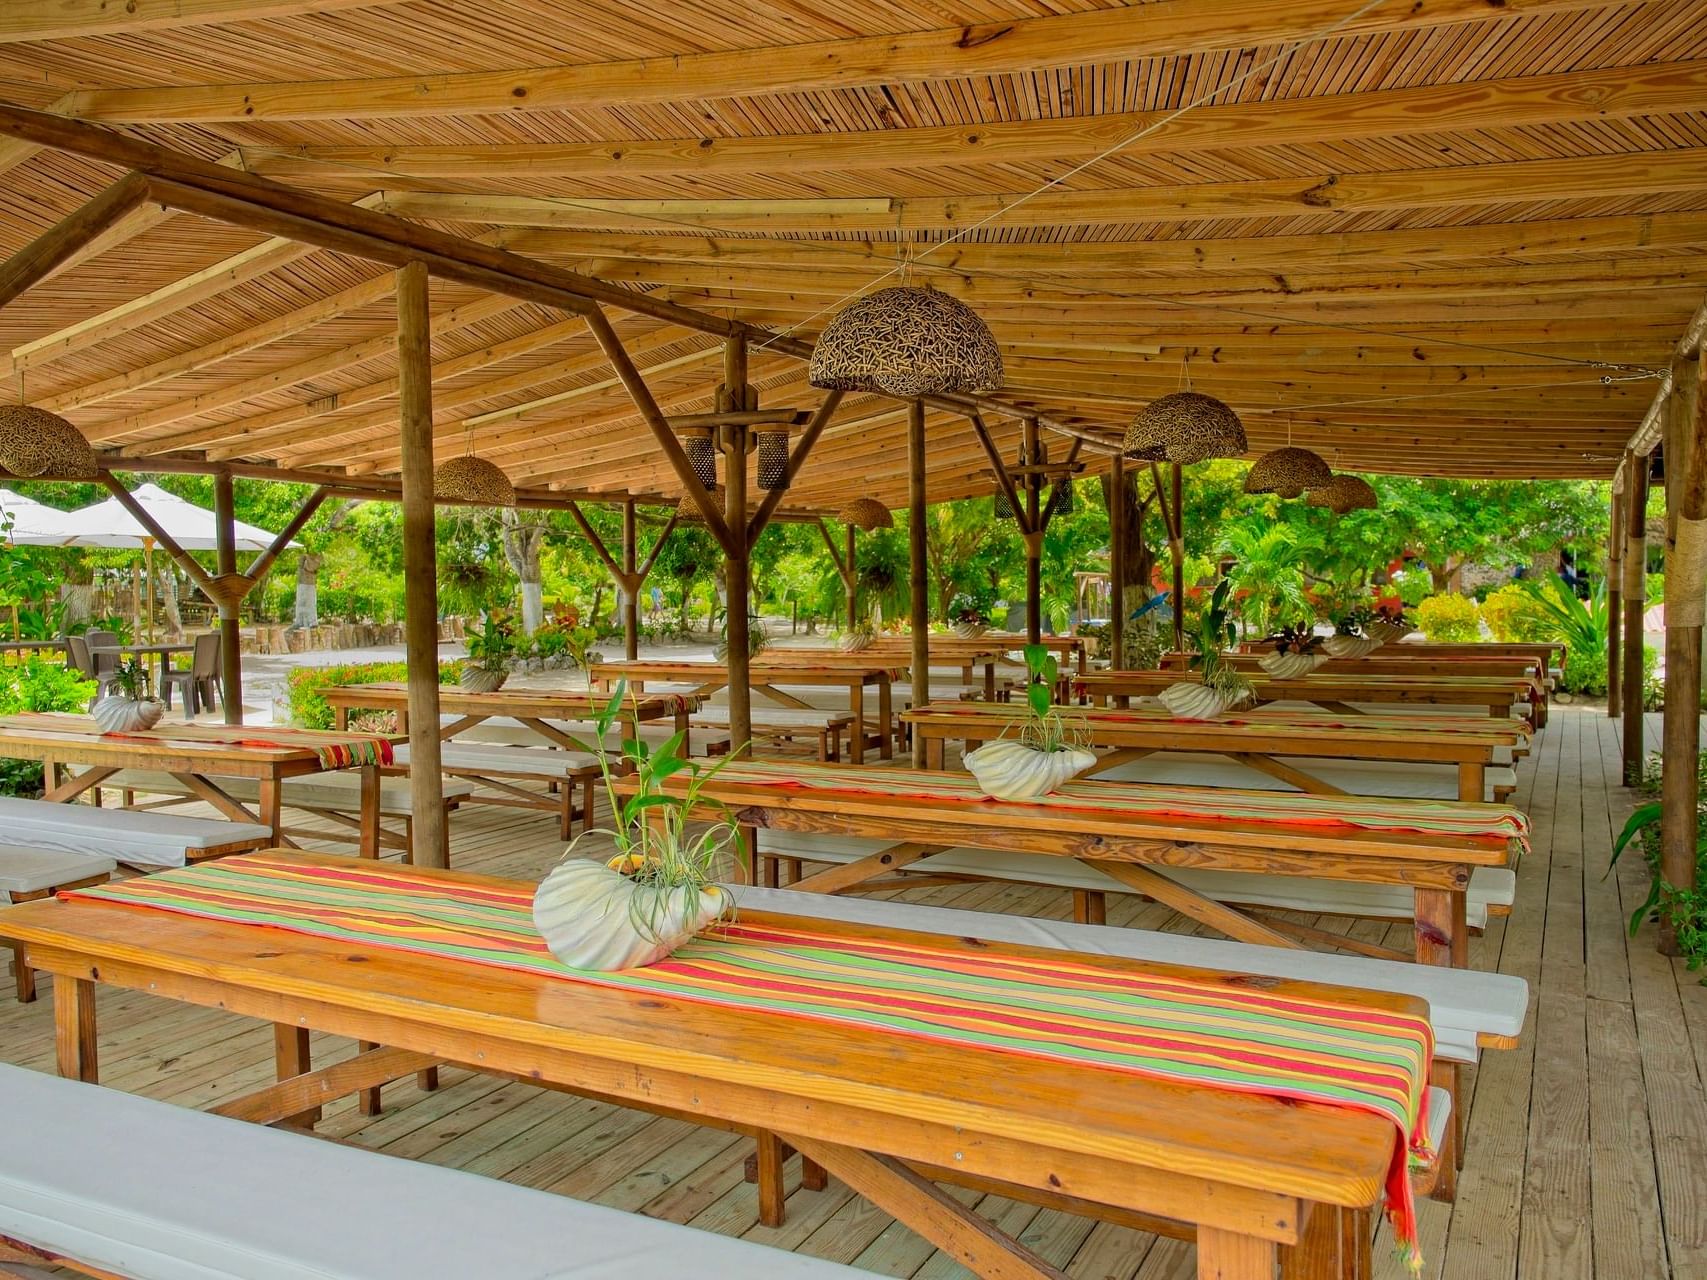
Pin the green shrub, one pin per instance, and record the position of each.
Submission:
(1449, 619)
(37, 685)
(308, 710)
(1685, 910)
(1512, 615)
(1656, 589)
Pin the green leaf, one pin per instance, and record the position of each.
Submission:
(1037, 697)
(1643, 816)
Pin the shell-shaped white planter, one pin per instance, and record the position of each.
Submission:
(1010, 770)
(481, 679)
(1190, 700)
(585, 912)
(1290, 666)
(1350, 646)
(118, 714)
(970, 630)
(1388, 632)
(856, 641)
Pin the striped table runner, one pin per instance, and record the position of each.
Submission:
(1211, 1033)
(334, 750)
(1280, 723)
(1141, 799)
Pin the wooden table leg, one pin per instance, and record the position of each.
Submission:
(272, 798)
(368, 1100)
(369, 847)
(1226, 1255)
(1472, 779)
(340, 718)
(1336, 1245)
(989, 682)
(934, 749)
(1443, 938)
(74, 1028)
(856, 704)
(292, 1057)
(886, 716)
(772, 1209)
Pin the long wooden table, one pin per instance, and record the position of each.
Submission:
(1260, 1181)
(1383, 662)
(196, 756)
(533, 708)
(1262, 739)
(1333, 691)
(769, 678)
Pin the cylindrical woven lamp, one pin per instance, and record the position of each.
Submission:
(773, 460)
(687, 510)
(703, 455)
(1004, 510)
(35, 442)
(1344, 493)
(1061, 498)
(868, 514)
(906, 341)
(1185, 427)
(1288, 472)
(472, 479)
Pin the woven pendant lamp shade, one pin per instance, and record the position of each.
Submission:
(868, 514)
(34, 442)
(1344, 493)
(773, 460)
(687, 510)
(907, 342)
(1185, 427)
(1061, 498)
(1288, 472)
(472, 479)
(1004, 509)
(703, 455)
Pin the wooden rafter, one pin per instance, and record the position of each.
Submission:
(27, 20)
(56, 246)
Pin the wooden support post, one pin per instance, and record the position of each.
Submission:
(1033, 535)
(850, 577)
(736, 439)
(230, 628)
(420, 567)
(1686, 594)
(1615, 606)
(1176, 551)
(921, 610)
(1117, 562)
(1635, 601)
(630, 587)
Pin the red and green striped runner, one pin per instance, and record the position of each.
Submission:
(1278, 723)
(1217, 1034)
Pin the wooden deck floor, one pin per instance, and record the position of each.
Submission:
(1587, 1152)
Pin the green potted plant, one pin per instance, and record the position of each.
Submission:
(858, 636)
(1046, 751)
(1219, 685)
(1294, 651)
(967, 618)
(1349, 639)
(490, 649)
(130, 704)
(656, 892)
(1389, 623)
(758, 639)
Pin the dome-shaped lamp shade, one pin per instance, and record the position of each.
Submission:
(703, 455)
(868, 514)
(34, 442)
(471, 479)
(1185, 427)
(1288, 472)
(907, 342)
(773, 460)
(687, 510)
(1344, 493)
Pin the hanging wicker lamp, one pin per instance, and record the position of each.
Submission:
(1004, 510)
(1185, 427)
(1344, 493)
(868, 514)
(906, 341)
(773, 459)
(1288, 472)
(687, 510)
(702, 453)
(472, 479)
(35, 442)
(1061, 498)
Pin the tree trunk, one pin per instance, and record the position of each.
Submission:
(169, 601)
(522, 543)
(306, 612)
(1140, 557)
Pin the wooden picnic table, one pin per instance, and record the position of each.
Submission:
(1263, 739)
(535, 709)
(1072, 650)
(898, 652)
(1384, 662)
(1258, 1180)
(769, 678)
(1550, 653)
(1333, 691)
(196, 756)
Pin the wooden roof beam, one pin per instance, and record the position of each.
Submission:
(36, 20)
(71, 234)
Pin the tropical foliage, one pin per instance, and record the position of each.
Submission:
(1449, 619)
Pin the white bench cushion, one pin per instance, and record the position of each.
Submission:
(24, 869)
(1415, 780)
(339, 790)
(1489, 886)
(1463, 1004)
(535, 761)
(81, 1175)
(143, 839)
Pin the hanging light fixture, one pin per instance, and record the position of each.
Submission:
(35, 442)
(1185, 426)
(906, 341)
(687, 510)
(472, 479)
(868, 514)
(702, 453)
(1061, 498)
(773, 459)
(1288, 472)
(1344, 493)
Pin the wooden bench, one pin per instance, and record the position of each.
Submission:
(27, 875)
(496, 769)
(781, 727)
(148, 840)
(335, 795)
(81, 1185)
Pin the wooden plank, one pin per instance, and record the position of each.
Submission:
(26, 21)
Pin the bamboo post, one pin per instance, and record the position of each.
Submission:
(1686, 593)
(1176, 552)
(1117, 562)
(850, 578)
(738, 566)
(230, 629)
(420, 568)
(921, 666)
(1033, 535)
(630, 587)
(1615, 604)
(1635, 593)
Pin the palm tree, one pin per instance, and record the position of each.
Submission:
(1267, 572)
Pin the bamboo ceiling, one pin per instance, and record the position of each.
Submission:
(1449, 236)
